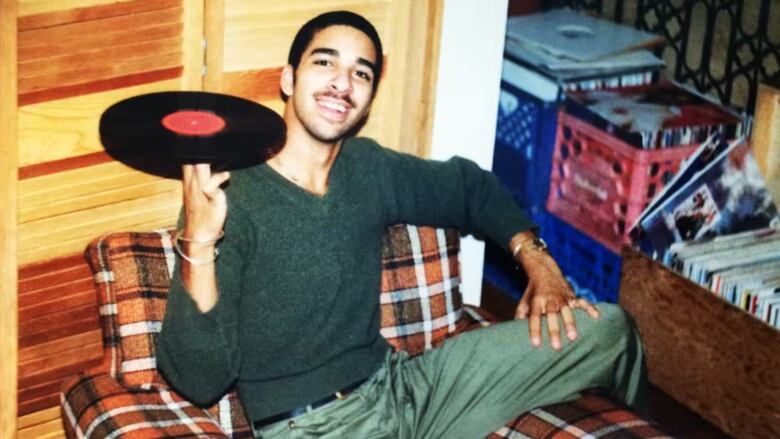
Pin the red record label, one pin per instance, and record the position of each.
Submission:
(193, 123)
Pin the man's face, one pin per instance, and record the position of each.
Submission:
(331, 90)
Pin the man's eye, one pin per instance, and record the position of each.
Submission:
(363, 75)
(322, 62)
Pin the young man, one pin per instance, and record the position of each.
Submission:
(289, 312)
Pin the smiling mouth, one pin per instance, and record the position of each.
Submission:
(334, 110)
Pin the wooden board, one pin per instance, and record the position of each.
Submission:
(766, 137)
(707, 354)
(8, 226)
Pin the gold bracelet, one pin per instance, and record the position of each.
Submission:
(180, 237)
(194, 261)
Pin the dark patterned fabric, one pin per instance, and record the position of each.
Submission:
(421, 306)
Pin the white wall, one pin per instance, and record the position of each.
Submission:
(467, 89)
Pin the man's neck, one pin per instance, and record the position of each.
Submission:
(306, 162)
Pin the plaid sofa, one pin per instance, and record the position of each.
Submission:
(421, 307)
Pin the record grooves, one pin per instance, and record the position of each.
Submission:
(158, 132)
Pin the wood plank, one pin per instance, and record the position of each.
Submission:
(9, 151)
(106, 26)
(62, 165)
(75, 230)
(38, 417)
(51, 274)
(193, 45)
(730, 358)
(49, 369)
(61, 318)
(98, 56)
(98, 86)
(65, 128)
(90, 12)
(48, 430)
(766, 137)
(101, 72)
(63, 344)
(257, 85)
(119, 38)
(48, 267)
(42, 403)
(419, 91)
(31, 7)
(88, 323)
(54, 303)
(111, 195)
(214, 30)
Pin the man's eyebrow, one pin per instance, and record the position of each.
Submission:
(334, 52)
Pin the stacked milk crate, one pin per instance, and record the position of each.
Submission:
(582, 143)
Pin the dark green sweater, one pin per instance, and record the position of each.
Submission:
(299, 275)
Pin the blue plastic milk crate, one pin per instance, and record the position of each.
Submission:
(525, 138)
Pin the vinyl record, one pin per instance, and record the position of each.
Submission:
(158, 132)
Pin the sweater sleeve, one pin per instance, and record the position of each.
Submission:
(453, 193)
(197, 352)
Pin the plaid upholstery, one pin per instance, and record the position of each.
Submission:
(591, 416)
(421, 307)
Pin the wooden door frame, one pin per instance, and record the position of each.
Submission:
(9, 152)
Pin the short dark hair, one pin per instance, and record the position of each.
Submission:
(336, 18)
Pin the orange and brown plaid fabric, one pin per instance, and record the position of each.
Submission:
(421, 306)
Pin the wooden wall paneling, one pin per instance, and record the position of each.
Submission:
(100, 53)
(77, 57)
(722, 363)
(766, 136)
(8, 226)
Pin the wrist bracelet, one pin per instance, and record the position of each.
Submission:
(194, 261)
(180, 237)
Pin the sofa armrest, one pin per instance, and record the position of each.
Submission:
(97, 406)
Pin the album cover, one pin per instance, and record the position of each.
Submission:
(726, 196)
(569, 34)
(655, 116)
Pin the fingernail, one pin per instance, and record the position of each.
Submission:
(556, 345)
(536, 341)
(572, 335)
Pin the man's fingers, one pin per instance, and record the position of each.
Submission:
(588, 307)
(535, 329)
(554, 329)
(522, 311)
(202, 174)
(213, 183)
(568, 322)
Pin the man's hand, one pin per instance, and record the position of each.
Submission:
(547, 293)
(205, 204)
(205, 212)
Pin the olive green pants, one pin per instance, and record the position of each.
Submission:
(478, 381)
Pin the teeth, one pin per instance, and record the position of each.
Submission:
(337, 107)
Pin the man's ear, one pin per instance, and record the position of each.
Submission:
(287, 80)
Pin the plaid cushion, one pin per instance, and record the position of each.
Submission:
(420, 300)
(421, 307)
(591, 416)
(99, 406)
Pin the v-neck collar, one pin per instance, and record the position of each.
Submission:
(290, 188)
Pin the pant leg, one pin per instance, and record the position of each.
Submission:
(478, 381)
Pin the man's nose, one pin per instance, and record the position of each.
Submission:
(341, 82)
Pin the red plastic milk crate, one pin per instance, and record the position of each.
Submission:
(601, 184)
